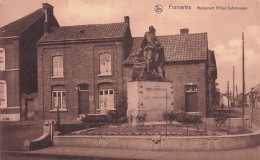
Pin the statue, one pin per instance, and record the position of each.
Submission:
(149, 47)
(150, 57)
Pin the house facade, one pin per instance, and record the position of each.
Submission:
(80, 69)
(18, 63)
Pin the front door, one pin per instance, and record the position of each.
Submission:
(191, 102)
(83, 99)
(29, 109)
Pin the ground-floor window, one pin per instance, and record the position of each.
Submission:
(3, 94)
(58, 97)
(106, 99)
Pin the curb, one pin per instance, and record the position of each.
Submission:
(47, 155)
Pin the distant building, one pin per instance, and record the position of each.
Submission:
(85, 68)
(18, 63)
(255, 96)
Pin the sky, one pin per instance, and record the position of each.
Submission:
(224, 27)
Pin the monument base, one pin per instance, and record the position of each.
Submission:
(150, 98)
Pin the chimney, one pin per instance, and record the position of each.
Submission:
(127, 19)
(184, 31)
(48, 9)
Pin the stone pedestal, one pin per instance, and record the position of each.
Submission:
(152, 98)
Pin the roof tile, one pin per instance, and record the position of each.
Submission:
(184, 47)
(89, 32)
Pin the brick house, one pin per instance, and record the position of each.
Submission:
(18, 63)
(190, 65)
(80, 69)
(84, 69)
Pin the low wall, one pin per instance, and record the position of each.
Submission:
(42, 142)
(45, 140)
(234, 122)
(163, 143)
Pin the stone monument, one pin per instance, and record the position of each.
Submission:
(149, 93)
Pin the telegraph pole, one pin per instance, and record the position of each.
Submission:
(243, 80)
(228, 93)
(233, 87)
(236, 92)
(228, 106)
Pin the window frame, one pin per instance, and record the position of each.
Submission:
(109, 99)
(5, 94)
(61, 75)
(3, 51)
(191, 88)
(101, 73)
(59, 89)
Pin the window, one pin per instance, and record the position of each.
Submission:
(105, 64)
(2, 59)
(57, 66)
(3, 95)
(106, 99)
(190, 88)
(58, 98)
(83, 87)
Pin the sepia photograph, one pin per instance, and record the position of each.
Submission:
(128, 79)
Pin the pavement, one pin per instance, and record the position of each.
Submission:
(103, 153)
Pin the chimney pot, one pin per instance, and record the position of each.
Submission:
(47, 6)
(184, 31)
(127, 19)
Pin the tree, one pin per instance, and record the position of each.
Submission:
(121, 103)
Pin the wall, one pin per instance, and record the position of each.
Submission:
(81, 65)
(162, 143)
(28, 57)
(11, 76)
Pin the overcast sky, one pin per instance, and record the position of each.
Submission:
(224, 27)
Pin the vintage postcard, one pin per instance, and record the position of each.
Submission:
(125, 79)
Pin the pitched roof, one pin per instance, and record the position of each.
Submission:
(17, 27)
(183, 47)
(86, 32)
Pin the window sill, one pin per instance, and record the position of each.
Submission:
(56, 77)
(60, 110)
(105, 75)
(4, 107)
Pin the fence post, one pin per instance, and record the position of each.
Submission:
(206, 128)
(187, 129)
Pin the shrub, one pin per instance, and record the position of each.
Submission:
(121, 104)
(187, 118)
(169, 116)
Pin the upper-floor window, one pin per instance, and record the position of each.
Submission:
(2, 59)
(57, 66)
(105, 64)
(3, 95)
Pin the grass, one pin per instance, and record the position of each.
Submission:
(172, 130)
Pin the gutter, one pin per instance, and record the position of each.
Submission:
(10, 37)
(79, 41)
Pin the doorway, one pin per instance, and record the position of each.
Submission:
(29, 109)
(191, 98)
(83, 97)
